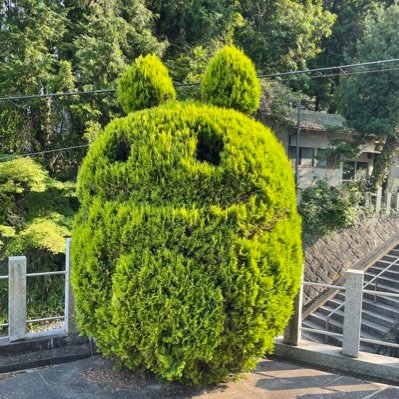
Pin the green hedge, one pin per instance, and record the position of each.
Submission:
(186, 251)
(230, 81)
(145, 84)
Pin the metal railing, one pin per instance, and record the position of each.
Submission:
(354, 290)
(374, 279)
(16, 277)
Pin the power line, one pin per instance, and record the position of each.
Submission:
(321, 73)
(324, 69)
(33, 154)
(349, 73)
(52, 95)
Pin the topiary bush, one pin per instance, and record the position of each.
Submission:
(230, 81)
(145, 84)
(186, 251)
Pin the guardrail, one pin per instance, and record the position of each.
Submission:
(17, 315)
(354, 290)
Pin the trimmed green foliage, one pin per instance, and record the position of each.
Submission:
(145, 84)
(230, 81)
(186, 252)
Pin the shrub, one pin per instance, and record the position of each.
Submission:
(230, 81)
(186, 253)
(326, 208)
(145, 84)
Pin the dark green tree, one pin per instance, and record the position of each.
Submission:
(30, 37)
(340, 47)
(370, 102)
(283, 34)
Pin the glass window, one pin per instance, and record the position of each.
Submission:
(361, 169)
(306, 156)
(322, 158)
(292, 152)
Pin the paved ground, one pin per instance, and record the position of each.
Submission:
(94, 378)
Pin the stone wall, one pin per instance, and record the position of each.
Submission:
(327, 259)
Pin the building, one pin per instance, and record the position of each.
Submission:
(321, 133)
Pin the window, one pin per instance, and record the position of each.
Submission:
(354, 169)
(318, 157)
(306, 155)
(325, 159)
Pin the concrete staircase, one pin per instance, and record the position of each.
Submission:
(379, 314)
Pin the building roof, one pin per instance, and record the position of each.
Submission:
(321, 121)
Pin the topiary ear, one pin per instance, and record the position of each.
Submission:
(230, 81)
(145, 84)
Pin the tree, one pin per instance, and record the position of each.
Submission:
(54, 46)
(339, 48)
(30, 37)
(186, 254)
(190, 23)
(282, 34)
(370, 102)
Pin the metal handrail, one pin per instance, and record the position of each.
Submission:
(365, 291)
(336, 287)
(46, 274)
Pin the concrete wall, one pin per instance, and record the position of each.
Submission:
(330, 256)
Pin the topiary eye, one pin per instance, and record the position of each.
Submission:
(209, 147)
(120, 151)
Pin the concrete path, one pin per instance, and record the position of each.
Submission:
(94, 378)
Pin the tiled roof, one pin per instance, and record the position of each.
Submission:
(311, 120)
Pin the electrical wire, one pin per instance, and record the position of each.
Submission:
(283, 75)
(33, 154)
(320, 71)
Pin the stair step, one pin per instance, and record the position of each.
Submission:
(380, 281)
(319, 337)
(378, 318)
(380, 308)
(392, 274)
(333, 325)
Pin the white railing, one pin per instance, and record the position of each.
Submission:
(354, 290)
(17, 315)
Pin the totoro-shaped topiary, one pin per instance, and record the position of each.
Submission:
(186, 251)
(230, 81)
(146, 83)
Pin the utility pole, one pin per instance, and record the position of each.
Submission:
(298, 137)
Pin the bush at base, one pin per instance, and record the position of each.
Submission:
(186, 250)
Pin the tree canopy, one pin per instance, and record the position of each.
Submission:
(370, 102)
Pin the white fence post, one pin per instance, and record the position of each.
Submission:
(389, 199)
(397, 203)
(16, 298)
(378, 200)
(352, 313)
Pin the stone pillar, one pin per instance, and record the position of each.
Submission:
(16, 298)
(70, 321)
(378, 200)
(397, 203)
(389, 198)
(352, 313)
(292, 333)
